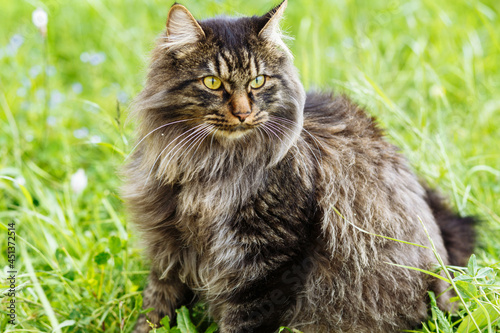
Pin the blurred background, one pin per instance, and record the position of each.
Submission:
(428, 70)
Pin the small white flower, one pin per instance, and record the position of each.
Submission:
(97, 58)
(35, 70)
(40, 18)
(26, 82)
(40, 94)
(95, 139)
(51, 120)
(56, 98)
(437, 91)
(22, 91)
(85, 57)
(79, 181)
(81, 133)
(77, 87)
(51, 70)
(21, 180)
(122, 97)
(16, 41)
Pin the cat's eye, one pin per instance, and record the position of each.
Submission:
(212, 82)
(258, 82)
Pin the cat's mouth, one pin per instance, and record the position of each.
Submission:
(235, 131)
(233, 127)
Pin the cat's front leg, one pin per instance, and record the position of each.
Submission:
(164, 295)
(259, 310)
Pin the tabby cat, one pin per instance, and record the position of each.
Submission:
(264, 202)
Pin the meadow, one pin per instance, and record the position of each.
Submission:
(428, 70)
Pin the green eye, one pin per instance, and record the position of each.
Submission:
(212, 82)
(258, 82)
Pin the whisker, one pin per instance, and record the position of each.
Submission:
(171, 123)
(202, 138)
(193, 137)
(260, 134)
(270, 128)
(198, 138)
(279, 130)
(306, 143)
(306, 131)
(171, 142)
(270, 123)
(264, 126)
(212, 140)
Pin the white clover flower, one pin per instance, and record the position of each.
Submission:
(40, 18)
(79, 181)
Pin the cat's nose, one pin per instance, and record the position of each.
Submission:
(241, 108)
(242, 116)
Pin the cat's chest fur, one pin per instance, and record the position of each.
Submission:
(243, 230)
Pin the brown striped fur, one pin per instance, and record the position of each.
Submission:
(270, 219)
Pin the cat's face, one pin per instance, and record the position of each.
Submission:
(228, 81)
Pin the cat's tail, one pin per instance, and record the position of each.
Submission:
(457, 232)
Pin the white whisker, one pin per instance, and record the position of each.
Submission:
(171, 123)
(171, 142)
(270, 123)
(197, 139)
(279, 130)
(306, 131)
(201, 139)
(191, 137)
(305, 142)
(212, 140)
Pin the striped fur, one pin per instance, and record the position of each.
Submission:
(261, 218)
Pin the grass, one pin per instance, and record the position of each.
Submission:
(428, 70)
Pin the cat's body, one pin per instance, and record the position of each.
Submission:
(272, 221)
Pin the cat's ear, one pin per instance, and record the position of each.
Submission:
(182, 28)
(271, 30)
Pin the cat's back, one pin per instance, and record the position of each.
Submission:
(326, 114)
(366, 179)
(345, 137)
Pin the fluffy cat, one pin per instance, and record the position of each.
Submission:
(264, 201)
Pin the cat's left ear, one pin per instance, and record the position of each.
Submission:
(271, 30)
(182, 28)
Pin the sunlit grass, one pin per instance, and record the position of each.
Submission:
(429, 71)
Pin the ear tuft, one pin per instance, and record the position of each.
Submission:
(182, 28)
(271, 30)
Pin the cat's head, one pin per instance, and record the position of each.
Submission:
(221, 83)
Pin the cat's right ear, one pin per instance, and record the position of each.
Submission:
(182, 28)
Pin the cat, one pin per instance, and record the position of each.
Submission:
(265, 202)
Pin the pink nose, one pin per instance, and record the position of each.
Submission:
(241, 108)
(242, 116)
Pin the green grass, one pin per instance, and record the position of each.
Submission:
(429, 70)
